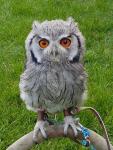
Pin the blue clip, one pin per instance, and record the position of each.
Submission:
(86, 141)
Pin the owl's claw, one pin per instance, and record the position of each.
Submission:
(40, 127)
(70, 121)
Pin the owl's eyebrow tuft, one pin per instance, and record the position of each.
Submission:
(65, 36)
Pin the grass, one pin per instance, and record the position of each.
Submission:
(95, 19)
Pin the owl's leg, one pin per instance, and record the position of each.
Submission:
(69, 121)
(40, 125)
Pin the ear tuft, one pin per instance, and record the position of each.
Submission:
(74, 28)
(35, 25)
(73, 25)
(70, 20)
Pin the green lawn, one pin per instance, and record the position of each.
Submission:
(95, 18)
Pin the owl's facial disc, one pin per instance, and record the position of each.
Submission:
(50, 39)
(55, 49)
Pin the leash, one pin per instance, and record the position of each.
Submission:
(86, 133)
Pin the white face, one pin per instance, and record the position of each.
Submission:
(55, 39)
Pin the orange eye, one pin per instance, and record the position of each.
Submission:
(65, 42)
(43, 43)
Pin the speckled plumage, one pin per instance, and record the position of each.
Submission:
(53, 82)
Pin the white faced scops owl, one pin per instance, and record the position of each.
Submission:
(54, 78)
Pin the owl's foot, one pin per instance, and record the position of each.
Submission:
(40, 127)
(70, 121)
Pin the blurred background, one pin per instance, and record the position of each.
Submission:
(95, 19)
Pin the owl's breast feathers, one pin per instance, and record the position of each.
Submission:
(53, 86)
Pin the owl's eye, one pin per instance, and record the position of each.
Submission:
(65, 42)
(43, 43)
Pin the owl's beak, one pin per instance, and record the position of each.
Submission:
(54, 56)
(54, 53)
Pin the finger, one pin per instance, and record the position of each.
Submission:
(65, 129)
(43, 132)
(74, 129)
(35, 134)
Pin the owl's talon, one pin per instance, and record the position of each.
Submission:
(70, 121)
(40, 127)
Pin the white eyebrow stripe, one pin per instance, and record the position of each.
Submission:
(49, 39)
(44, 37)
(64, 36)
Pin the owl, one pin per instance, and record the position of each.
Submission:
(54, 79)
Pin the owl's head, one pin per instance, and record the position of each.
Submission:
(56, 40)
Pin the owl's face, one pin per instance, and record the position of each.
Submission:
(56, 40)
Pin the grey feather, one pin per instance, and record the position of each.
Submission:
(55, 82)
